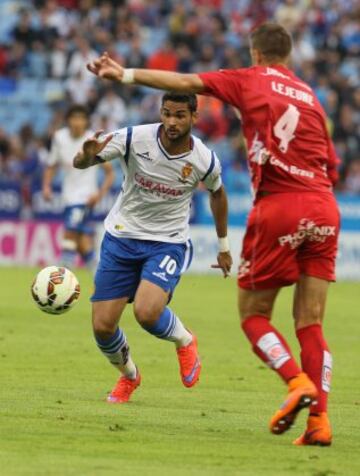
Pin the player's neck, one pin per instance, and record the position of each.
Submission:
(273, 64)
(175, 147)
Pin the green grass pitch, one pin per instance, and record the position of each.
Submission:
(54, 419)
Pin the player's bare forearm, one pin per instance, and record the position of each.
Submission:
(106, 68)
(48, 176)
(168, 80)
(219, 209)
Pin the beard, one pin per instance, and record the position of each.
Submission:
(174, 135)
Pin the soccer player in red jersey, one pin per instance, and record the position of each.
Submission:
(292, 229)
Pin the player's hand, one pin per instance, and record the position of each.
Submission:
(106, 68)
(93, 200)
(224, 263)
(93, 146)
(47, 193)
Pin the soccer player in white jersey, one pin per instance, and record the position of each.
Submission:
(80, 191)
(146, 246)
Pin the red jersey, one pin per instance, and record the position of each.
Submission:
(289, 148)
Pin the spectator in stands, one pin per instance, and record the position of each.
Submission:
(352, 180)
(113, 108)
(163, 58)
(55, 39)
(24, 32)
(58, 58)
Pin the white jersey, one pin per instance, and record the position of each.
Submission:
(78, 185)
(155, 200)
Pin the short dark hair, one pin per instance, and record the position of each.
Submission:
(77, 109)
(272, 40)
(188, 98)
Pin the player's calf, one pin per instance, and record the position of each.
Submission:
(116, 349)
(169, 327)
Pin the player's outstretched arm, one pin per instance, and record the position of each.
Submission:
(91, 148)
(107, 68)
(219, 208)
(48, 176)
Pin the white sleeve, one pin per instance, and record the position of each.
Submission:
(212, 178)
(54, 155)
(118, 147)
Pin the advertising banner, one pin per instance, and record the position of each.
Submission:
(38, 243)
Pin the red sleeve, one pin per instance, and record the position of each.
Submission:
(333, 163)
(225, 85)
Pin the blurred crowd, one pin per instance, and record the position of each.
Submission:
(45, 45)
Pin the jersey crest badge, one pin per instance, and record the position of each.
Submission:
(186, 172)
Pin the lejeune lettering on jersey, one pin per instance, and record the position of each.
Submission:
(78, 185)
(155, 200)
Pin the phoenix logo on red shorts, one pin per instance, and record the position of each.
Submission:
(307, 230)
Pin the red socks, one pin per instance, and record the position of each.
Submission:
(316, 361)
(270, 346)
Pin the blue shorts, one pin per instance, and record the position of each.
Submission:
(125, 262)
(77, 218)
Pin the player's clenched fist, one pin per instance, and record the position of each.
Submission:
(106, 68)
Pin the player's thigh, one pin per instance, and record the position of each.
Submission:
(160, 274)
(317, 255)
(150, 301)
(268, 257)
(106, 315)
(255, 303)
(118, 272)
(309, 301)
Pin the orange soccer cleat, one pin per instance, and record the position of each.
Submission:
(302, 392)
(318, 431)
(189, 361)
(124, 388)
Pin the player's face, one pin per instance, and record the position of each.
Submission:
(177, 119)
(77, 123)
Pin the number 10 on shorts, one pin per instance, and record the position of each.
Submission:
(168, 264)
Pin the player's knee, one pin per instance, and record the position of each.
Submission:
(145, 314)
(260, 308)
(307, 315)
(103, 329)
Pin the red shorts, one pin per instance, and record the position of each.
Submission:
(289, 234)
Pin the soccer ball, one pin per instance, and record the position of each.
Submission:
(55, 290)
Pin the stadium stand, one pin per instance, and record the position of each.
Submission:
(45, 44)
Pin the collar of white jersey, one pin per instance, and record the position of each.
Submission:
(173, 157)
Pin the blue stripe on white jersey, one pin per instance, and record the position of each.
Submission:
(211, 168)
(128, 144)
